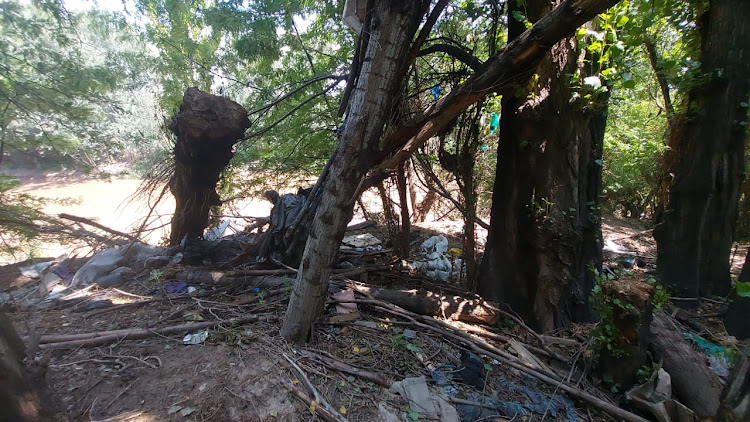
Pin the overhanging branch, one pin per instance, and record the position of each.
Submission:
(513, 65)
(455, 52)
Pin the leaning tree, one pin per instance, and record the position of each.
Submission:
(369, 142)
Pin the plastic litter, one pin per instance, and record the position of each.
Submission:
(195, 338)
(435, 91)
(48, 282)
(494, 122)
(472, 372)
(345, 307)
(175, 287)
(655, 397)
(156, 262)
(116, 277)
(217, 232)
(35, 270)
(611, 246)
(411, 334)
(107, 260)
(362, 240)
(719, 357)
(429, 405)
(99, 264)
(436, 264)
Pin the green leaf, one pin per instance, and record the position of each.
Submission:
(743, 289)
(413, 415)
(173, 409)
(519, 16)
(412, 348)
(187, 410)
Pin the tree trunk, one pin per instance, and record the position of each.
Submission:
(545, 231)
(695, 239)
(2, 147)
(23, 391)
(206, 127)
(392, 26)
(405, 226)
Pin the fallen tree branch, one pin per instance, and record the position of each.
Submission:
(348, 369)
(322, 412)
(106, 337)
(98, 226)
(318, 397)
(429, 303)
(480, 347)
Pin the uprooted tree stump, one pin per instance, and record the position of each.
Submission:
(631, 314)
(207, 127)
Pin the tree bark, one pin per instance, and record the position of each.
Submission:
(405, 226)
(545, 231)
(693, 383)
(206, 127)
(695, 239)
(392, 27)
(23, 392)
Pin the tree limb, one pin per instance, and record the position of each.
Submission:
(456, 52)
(513, 65)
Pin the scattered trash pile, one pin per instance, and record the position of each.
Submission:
(430, 356)
(436, 265)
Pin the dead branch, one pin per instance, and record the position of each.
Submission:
(92, 223)
(480, 347)
(348, 369)
(312, 404)
(104, 337)
(318, 397)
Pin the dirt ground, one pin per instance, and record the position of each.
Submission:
(245, 372)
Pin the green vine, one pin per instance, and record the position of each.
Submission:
(605, 333)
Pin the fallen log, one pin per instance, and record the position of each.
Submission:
(693, 383)
(429, 303)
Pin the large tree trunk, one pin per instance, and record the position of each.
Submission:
(392, 26)
(381, 75)
(545, 230)
(695, 238)
(23, 390)
(207, 127)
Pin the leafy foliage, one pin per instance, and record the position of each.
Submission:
(58, 73)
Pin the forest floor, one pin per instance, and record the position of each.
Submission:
(246, 372)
